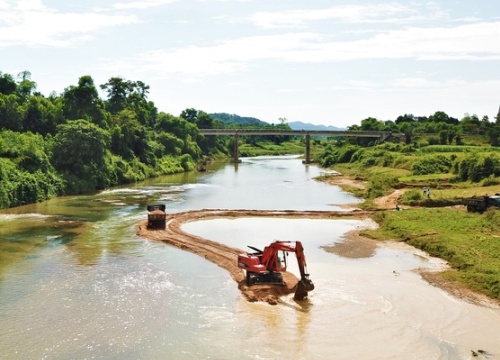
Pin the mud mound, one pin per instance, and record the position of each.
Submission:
(226, 256)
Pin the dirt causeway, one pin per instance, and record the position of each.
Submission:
(226, 256)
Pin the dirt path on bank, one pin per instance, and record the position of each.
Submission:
(384, 202)
(389, 201)
(226, 256)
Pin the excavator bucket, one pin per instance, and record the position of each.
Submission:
(303, 286)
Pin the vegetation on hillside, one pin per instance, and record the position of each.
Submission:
(235, 120)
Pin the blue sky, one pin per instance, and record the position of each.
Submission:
(317, 61)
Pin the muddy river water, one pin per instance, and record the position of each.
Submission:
(77, 283)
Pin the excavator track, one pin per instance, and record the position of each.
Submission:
(271, 278)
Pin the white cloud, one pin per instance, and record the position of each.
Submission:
(29, 5)
(469, 42)
(380, 13)
(145, 4)
(30, 23)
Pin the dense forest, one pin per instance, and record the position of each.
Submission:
(76, 142)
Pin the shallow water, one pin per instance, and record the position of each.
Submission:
(368, 308)
(76, 283)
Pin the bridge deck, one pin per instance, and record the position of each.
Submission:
(373, 134)
(381, 135)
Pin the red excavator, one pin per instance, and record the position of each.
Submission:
(266, 267)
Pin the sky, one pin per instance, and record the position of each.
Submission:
(324, 62)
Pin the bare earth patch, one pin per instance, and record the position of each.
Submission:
(355, 246)
(339, 179)
(389, 201)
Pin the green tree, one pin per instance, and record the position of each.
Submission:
(175, 125)
(26, 86)
(83, 102)
(79, 153)
(7, 84)
(494, 135)
(118, 90)
(442, 117)
(470, 124)
(137, 100)
(11, 113)
(41, 115)
(129, 137)
(189, 115)
(372, 124)
(406, 118)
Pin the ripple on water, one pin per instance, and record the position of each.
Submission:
(8, 217)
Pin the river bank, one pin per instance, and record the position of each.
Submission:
(434, 278)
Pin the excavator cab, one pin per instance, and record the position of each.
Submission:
(281, 261)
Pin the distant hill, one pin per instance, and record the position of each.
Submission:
(294, 125)
(236, 119)
(299, 125)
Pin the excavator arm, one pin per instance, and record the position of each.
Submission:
(265, 266)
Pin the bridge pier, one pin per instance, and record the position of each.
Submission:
(308, 149)
(236, 149)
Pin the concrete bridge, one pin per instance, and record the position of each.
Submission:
(380, 135)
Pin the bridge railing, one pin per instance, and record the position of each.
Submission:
(354, 133)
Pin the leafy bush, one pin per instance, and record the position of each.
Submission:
(437, 164)
(412, 197)
(380, 184)
(434, 140)
(490, 181)
(337, 155)
(477, 167)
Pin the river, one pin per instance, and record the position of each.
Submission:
(77, 283)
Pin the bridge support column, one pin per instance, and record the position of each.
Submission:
(236, 150)
(308, 149)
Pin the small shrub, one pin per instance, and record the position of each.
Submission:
(490, 181)
(438, 164)
(412, 196)
(434, 141)
(380, 184)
